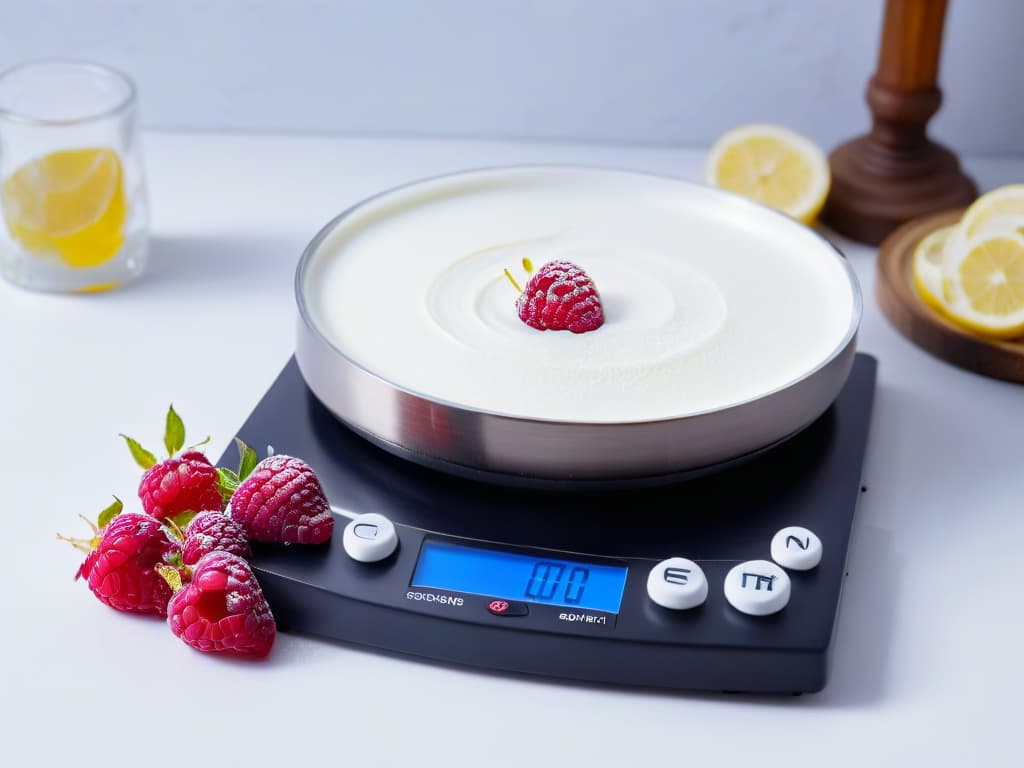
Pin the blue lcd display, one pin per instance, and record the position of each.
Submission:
(494, 573)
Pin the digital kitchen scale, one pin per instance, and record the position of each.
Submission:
(560, 583)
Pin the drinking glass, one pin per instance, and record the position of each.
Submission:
(72, 188)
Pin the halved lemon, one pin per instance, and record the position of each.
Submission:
(996, 212)
(928, 267)
(70, 203)
(772, 165)
(987, 281)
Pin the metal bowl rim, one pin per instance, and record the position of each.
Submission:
(734, 199)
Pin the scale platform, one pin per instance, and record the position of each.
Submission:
(555, 583)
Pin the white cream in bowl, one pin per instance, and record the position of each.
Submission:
(709, 300)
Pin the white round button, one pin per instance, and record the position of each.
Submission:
(677, 583)
(796, 548)
(369, 538)
(757, 587)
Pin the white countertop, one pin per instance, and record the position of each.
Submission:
(928, 656)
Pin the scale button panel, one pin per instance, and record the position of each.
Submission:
(678, 584)
(370, 538)
(796, 548)
(757, 588)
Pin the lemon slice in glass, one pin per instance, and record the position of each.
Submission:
(987, 285)
(772, 165)
(70, 203)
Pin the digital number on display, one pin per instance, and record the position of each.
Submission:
(546, 583)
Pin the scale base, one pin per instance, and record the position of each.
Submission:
(812, 480)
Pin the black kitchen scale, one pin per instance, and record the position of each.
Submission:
(555, 583)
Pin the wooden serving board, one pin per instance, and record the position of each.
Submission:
(902, 304)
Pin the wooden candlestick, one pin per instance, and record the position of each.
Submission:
(895, 173)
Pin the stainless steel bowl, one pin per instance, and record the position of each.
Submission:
(505, 448)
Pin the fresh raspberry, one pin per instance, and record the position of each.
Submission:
(212, 531)
(282, 501)
(560, 296)
(180, 484)
(86, 568)
(121, 572)
(222, 610)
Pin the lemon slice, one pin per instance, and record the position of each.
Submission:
(772, 165)
(70, 203)
(987, 285)
(928, 266)
(997, 212)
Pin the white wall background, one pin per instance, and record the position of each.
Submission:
(656, 71)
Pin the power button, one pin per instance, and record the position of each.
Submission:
(370, 538)
(500, 607)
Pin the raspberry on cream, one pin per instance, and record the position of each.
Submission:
(561, 297)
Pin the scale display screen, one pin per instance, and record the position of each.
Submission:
(512, 576)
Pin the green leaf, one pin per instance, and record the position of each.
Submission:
(109, 513)
(182, 519)
(142, 457)
(227, 483)
(170, 575)
(174, 432)
(247, 459)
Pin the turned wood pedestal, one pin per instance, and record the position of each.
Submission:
(895, 172)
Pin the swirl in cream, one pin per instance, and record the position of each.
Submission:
(656, 307)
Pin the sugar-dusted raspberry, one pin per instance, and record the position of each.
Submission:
(186, 483)
(121, 570)
(222, 609)
(282, 501)
(214, 531)
(560, 296)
